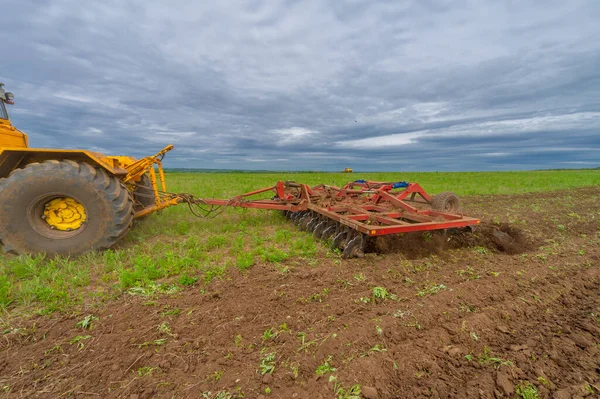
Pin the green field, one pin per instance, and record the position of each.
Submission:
(462, 183)
(174, 249)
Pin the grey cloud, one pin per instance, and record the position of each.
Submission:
(225, 81)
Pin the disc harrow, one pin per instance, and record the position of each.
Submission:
(350, 216)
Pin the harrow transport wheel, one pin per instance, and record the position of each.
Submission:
(143, 195)
(62, 208)
(446, 202)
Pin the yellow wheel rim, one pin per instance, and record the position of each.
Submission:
(64, 214)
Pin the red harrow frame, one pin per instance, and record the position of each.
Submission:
(350, 215)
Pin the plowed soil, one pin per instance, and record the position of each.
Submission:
(514, 306)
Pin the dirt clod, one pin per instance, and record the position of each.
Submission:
(455, 316)
(370, 393)
(503, 382)
(565, 393)
(503, 329)
(516, 348)
(456, 352)
(489, 236)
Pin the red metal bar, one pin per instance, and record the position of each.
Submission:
(262, 190)
(412, 189)
(264, 204)
(390, 221)
(379, 231)
(373, 208)
(395, 201)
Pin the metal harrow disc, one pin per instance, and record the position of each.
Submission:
(302, 215)
(319, 229)
(312, 224)
(339, 240)
(304, 221)
(351, 242)
(355, 246)
(298, 217)
(295, 216)
(329, 232)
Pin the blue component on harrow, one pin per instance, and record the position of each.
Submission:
(400, 184)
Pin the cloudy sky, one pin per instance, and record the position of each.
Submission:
(312, 85)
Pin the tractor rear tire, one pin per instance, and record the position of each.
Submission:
(28, 194)
(446, 202)
(143, 195)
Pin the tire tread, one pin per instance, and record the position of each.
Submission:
(116, 195)
(439, 201)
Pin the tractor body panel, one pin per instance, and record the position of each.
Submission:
(10, 136)
(14, 158)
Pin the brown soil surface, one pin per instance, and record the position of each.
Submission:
(468, 316)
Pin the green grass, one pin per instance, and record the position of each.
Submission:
(325, 367)
(173, 249)
(526, 391)
(461, 183)
(267, 364)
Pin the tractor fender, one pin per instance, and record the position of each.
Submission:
(15, 158)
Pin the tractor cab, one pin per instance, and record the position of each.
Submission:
(3, 113)
(10, 137)
(5, 97)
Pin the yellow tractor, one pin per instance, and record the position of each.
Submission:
(348, 170)
(67, 202)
